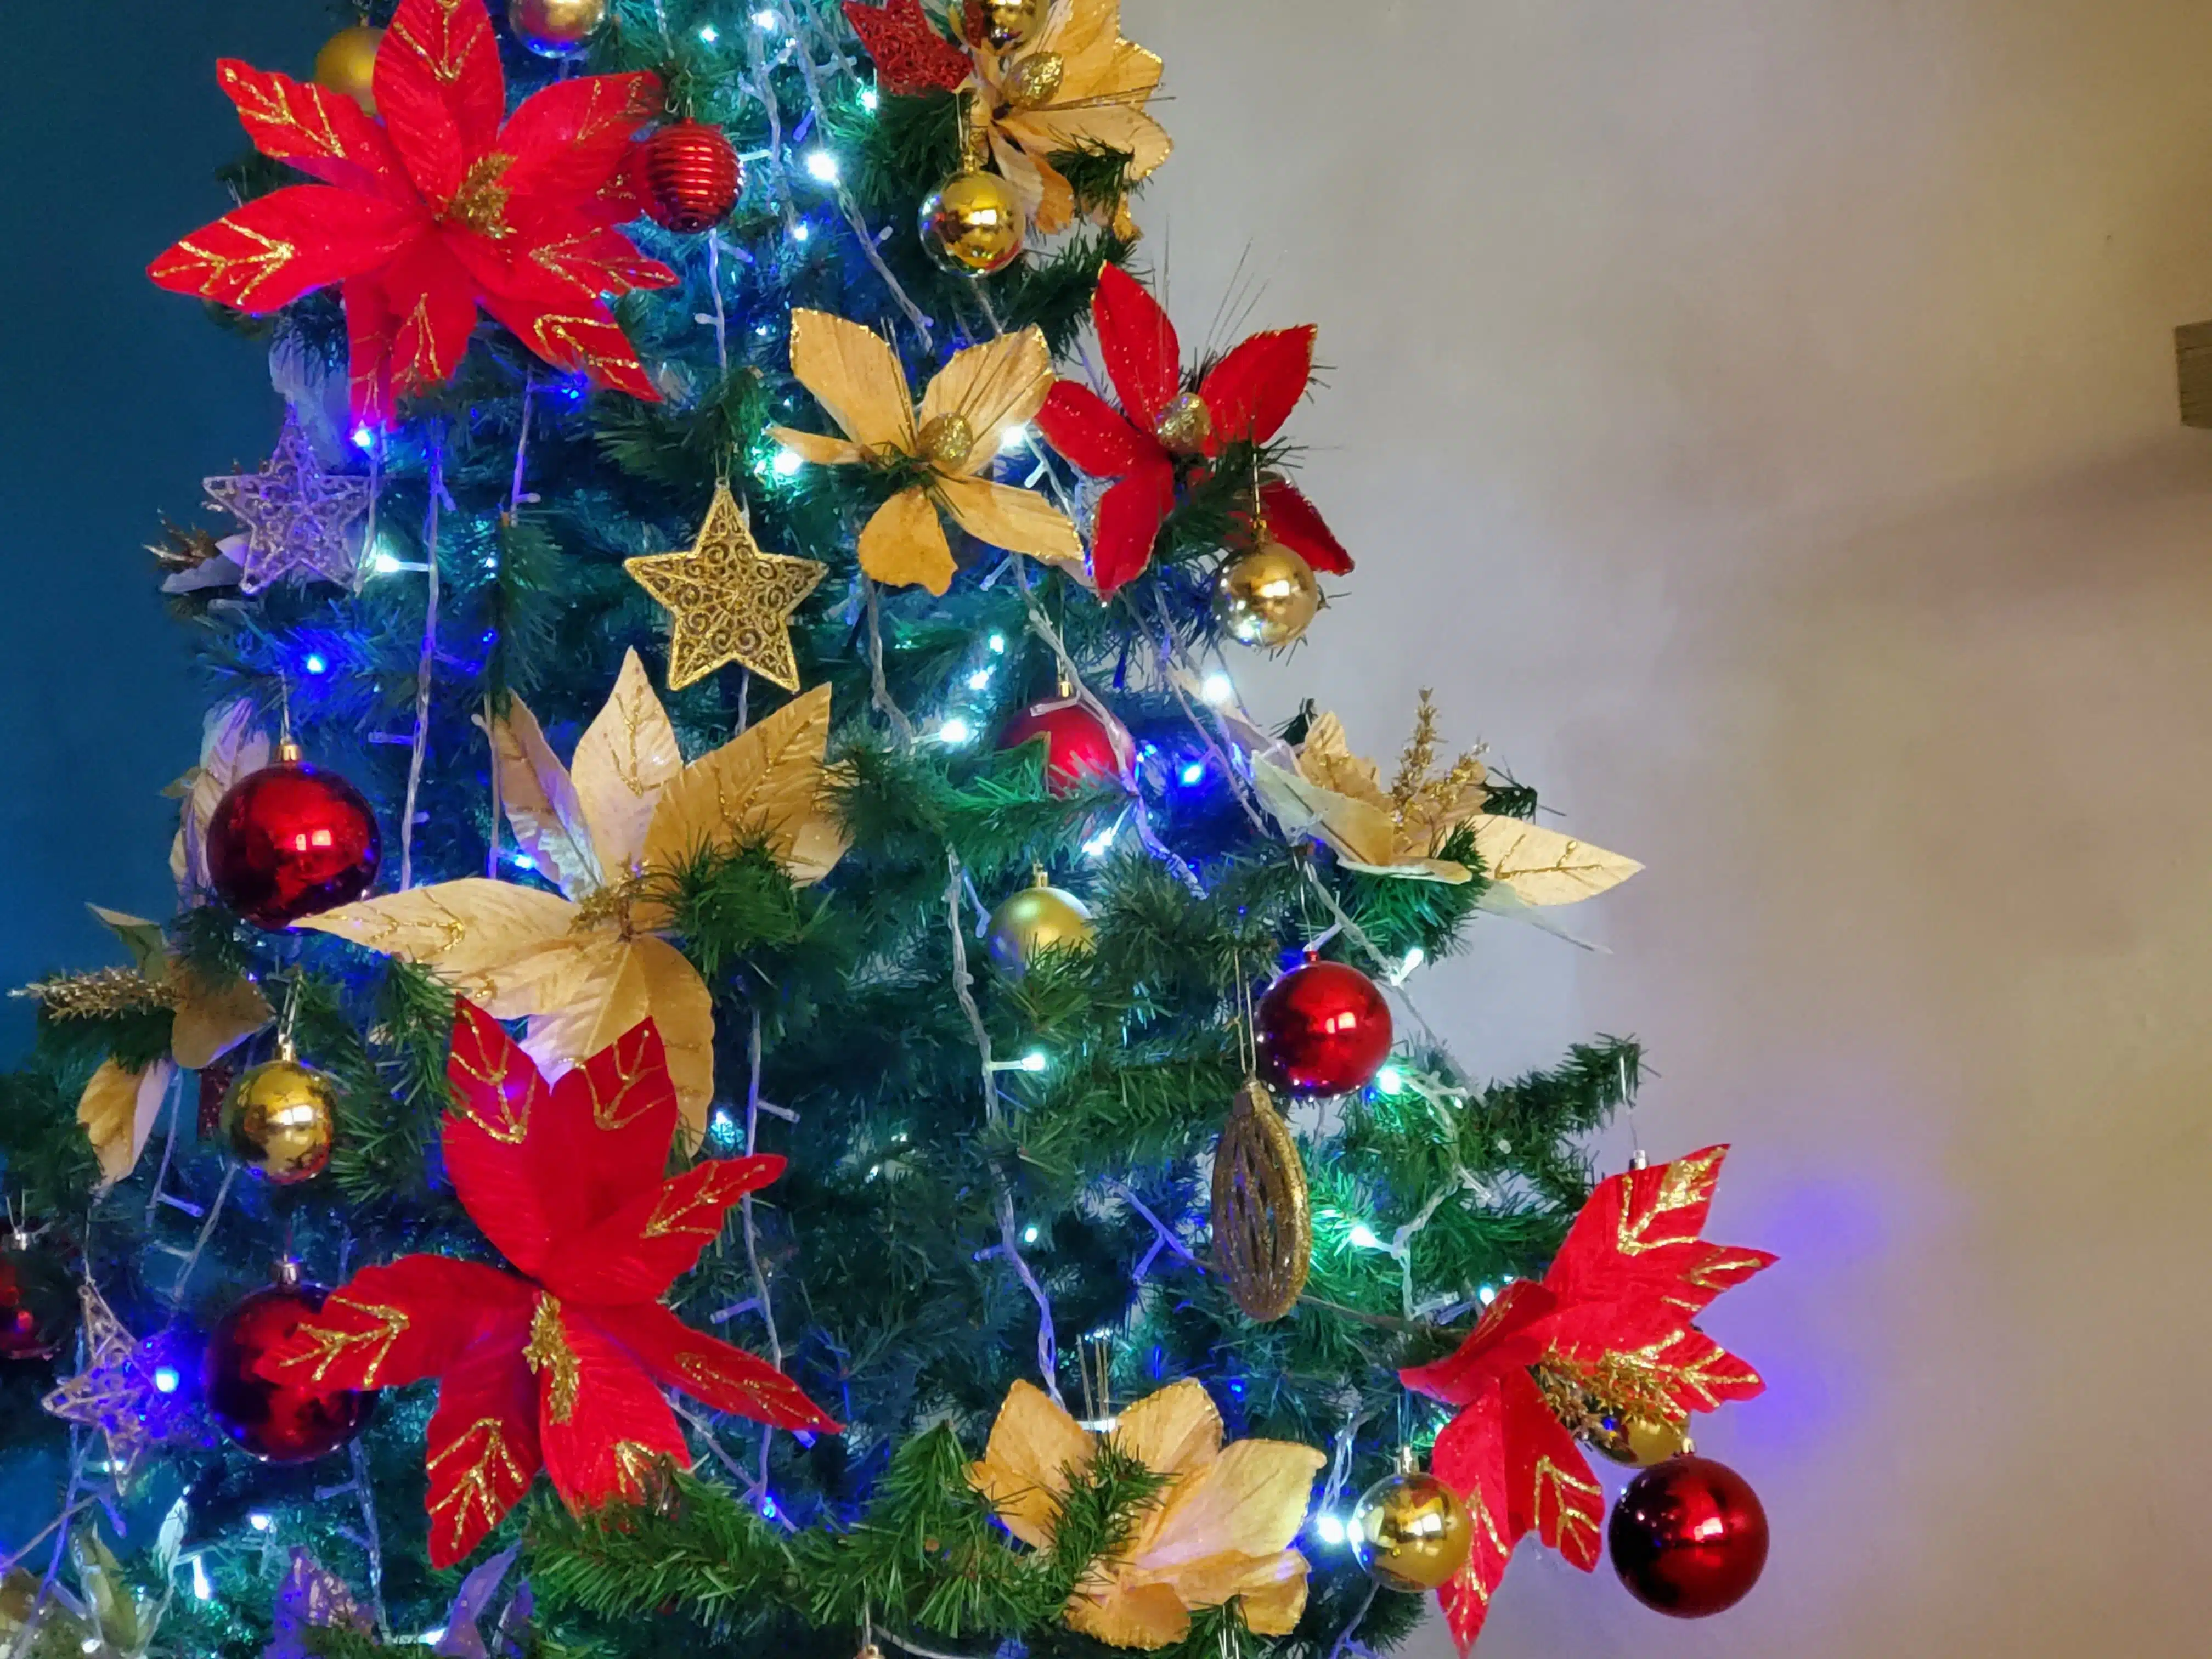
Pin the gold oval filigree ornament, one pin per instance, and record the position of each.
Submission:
(1263, 1220)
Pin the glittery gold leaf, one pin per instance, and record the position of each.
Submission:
(625, 758)
(1542, 867)
(117, 1109)
(767, 784)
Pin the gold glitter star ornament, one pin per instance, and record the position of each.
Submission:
(727, 601)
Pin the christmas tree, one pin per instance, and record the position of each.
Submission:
(739, 949)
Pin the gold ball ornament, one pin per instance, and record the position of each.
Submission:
(1185, 424)
(1034, 920)
(946, 440)
(279, 1118)
(1000, 25)
(556, 28)
(975, 224)
(1031, 82)
(1266, 597)
(347, 64)
(1639, 1443)
(1411, 1532)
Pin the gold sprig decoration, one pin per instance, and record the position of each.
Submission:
(102, 993)
(208, 1019)
(728, 602)
(1321, 788)
(586, 963)
(1222, 1528)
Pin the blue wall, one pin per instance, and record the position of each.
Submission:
(115, 399)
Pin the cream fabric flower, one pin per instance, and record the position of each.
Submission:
(966, 412)
(1221, 1529)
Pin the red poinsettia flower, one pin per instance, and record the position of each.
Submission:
(1244, 397)
(446, 204)
(560, 1364)
(1612, 1319)
(911, 57)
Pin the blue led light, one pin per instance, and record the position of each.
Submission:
(768, 1507)
(314, 663)
(167, 1380)
(364, 437)
(1194, 773)
(709, 34)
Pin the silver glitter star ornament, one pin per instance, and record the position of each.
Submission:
(295, 515)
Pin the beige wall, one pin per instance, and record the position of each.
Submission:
(1755, 418)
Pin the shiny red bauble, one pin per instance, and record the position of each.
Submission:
(1688, 1538)
(1080, 748)
(689, 175)
(277, 1422)
(38, 1301)
(291, 840)
(1322, 1029)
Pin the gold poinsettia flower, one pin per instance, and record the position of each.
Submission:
(586, 963)
(1074, 86)
(1322, 789)
(1221, 1529)
(207, 1020)
(232, 745)
(980, 395)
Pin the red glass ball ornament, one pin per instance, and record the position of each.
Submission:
(291, 840)
(1688, 1538)
(37, 1302)
(1322, 1028)
(275, 1422)
(1080, 747)
(689, 176)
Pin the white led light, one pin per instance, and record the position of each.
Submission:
(954, 731)
(979, 680)
(822, 166)
(1486, 1295)
(709, 34)
(868, 98)
(1034, 1061)
(1329, 1530)
(1216, 689)
(1389, 1079)
(1362, 1236)
(1102, 843)
(765, 19)
(1030, 1234)
(1014, 437)
(260, 1522)
(786, 463)
(999, 644)
(800, 232)
(203, 1589)
(384, 564)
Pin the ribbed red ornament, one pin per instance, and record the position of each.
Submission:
(689, 176)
